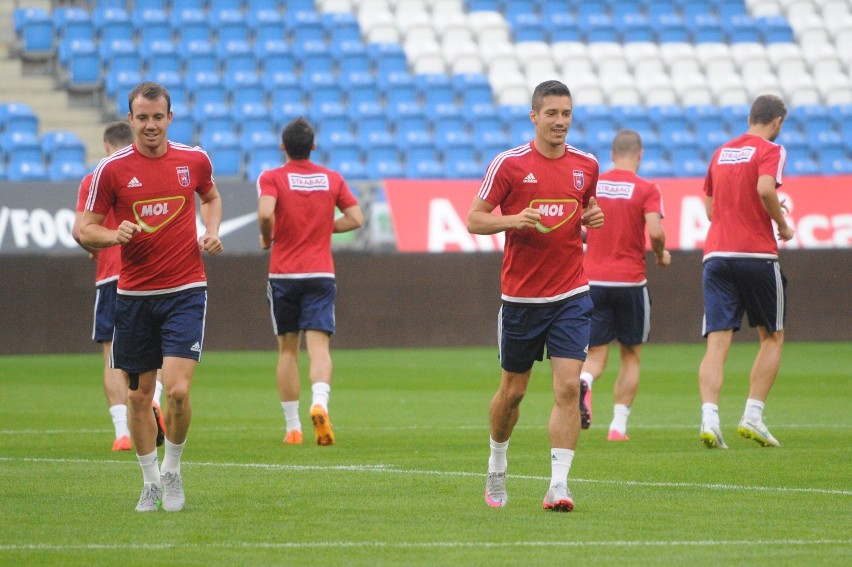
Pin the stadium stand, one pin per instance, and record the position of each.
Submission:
(461, 70)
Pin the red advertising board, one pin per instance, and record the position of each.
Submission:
(429, 216)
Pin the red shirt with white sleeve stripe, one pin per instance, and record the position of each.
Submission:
(542, 264)
(158, 194)
(109, 259)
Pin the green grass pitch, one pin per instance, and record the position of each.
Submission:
(403, 485)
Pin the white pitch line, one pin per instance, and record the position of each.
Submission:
(420, 545)
(390, 469)
(482, 427)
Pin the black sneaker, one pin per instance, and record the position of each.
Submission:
(585, 412)
(161, 426)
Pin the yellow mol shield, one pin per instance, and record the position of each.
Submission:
(152, 214)
(554, 212)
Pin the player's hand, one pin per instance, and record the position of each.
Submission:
(527, 218)
(783, 204)
(210, 243)
(264, 243)
(786, 233)
(126, 231)
(665, 259)
(593, 216)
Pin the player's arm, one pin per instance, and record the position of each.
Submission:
(481, 221)
(211, 216)
(658, 239)
(708, 206)
(95, 235)
(75, 232)
(352, 218)
(767, 189)
(266, 219)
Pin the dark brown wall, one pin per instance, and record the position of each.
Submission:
(394, 300)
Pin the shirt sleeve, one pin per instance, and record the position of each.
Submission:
(654, 200)
(345, 197)
(266, 186)
(206, 172)
(772, 162)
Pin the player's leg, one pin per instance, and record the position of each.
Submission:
(289, 384)
(317, 319)
(624, 391)
(115, 390)
(503, 415)
(317, 343)
(710, 379)
(593, 368)
(567, 344)
(143, 432)
(158, 411)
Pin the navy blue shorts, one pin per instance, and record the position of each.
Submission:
(302, 304)
(104, 311)
(149, 328)
(733, 286)
(622, 313)
(526, 329)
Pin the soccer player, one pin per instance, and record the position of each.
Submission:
(162, 289)
(741, 271)
(116, 136)
(545, 190)
(615, 266)
(296, 217)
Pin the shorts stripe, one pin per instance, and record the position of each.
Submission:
(779, 298)
(500, 333)
(95, 314)
(646, 324)
(271, 307)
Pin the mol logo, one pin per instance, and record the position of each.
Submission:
(554, 212)
(154, 213)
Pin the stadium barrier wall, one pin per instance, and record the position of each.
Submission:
(394, 300)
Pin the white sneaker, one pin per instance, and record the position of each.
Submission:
(756, 429)
(495, 490)
(150, 498)
(173, 498)
(711, 436)
(558, 499)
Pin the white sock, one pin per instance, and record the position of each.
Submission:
(320, 392)
(587, 378)
(171, 457)
(150, 470)
(497, 461)
(560, 464)
(291, 415)
(620, 413)
(119, 420)
(710, 415)
(158, 392)
(754, 410)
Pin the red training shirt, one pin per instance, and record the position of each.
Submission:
(109, 259)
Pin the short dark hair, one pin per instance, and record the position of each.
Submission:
(298, 138)
(118, 134)
(766, 108)
(626, 142)
(548, 88)
(151, 91)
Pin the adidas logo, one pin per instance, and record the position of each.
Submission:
(530, 178)
(197, 346)
(134, 183)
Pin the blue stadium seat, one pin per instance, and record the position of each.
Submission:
(434, 89)
(24, 154)
(162, 55)
(118, 85)
(298, 6)
(84, 67)
(775, 29)
(199, 57)
(462, 162)
(286, 112)
(599, 27)
(305, 27)
(266, 24)
(741, 28)
(225, 153)
(316, 58)
(207, 87)
(244, 87)
(656, 8)
(113, 23)
(26, 171)
(63, 145)
(472, 88)
(384, 163)
(73, 22)
(803, 166)
(151, 24)
(656, 168)
(728, 8)
(705, 28)
(633, 26)
(670, 27)
(230, 25)
(182, 128)
(527, 26)
(375, 131)
(119, 54)
(274, 56)
(484, 5)
(189, 24)
(352, 57)
(691, 9)
(387, 58)
(34, 30)
(285, 90)
(561, 26)
(236, 55)
(216, 6)
(591, 8)
(178, 5)
(341, 28)
(261, 141)
(363, 92)
(212, 117)
(18, 117)
(59, 171)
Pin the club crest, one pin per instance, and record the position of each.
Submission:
(183, 175)
(579, 179)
